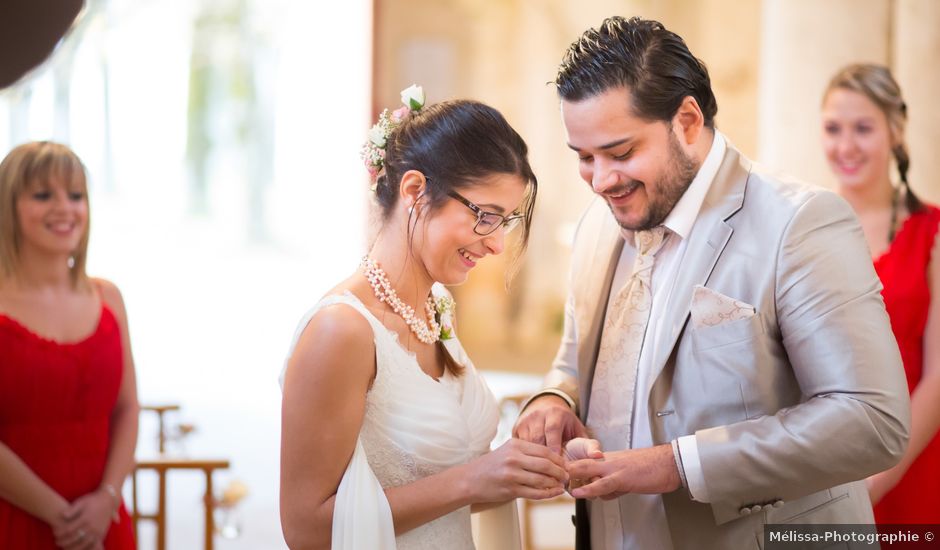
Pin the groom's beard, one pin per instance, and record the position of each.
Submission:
(669, 188)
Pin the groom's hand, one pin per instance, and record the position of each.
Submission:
(581, 448)
(650, 471)
(548, 421)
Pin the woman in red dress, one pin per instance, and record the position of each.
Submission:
(68, 398)
(863, 128)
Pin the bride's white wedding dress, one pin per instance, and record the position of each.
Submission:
(414, 426)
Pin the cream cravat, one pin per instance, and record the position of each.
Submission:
(610, 414)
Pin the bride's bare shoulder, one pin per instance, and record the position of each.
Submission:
(338, 339)
(355, 284)
(336, 346)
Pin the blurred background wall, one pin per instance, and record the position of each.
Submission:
(227, 195)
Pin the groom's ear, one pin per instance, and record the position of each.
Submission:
(413, 186)
(688, 121)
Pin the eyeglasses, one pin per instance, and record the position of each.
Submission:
(488, 222)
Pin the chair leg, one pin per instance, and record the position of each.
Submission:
(527, 524)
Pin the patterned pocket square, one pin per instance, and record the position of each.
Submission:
(710, 308)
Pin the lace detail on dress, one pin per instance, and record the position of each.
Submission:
(394, 467)
(391, 464)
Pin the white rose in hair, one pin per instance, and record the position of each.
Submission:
(377, 135)
(413, 97)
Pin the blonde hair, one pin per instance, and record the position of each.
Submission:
(28, 163)
(877, 84)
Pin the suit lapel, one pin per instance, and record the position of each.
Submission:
(593, 293)
(707, 240)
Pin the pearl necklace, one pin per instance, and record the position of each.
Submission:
(428, 332)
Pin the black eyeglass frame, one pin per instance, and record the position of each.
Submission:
(508, 222)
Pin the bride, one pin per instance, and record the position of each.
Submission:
(386, 424)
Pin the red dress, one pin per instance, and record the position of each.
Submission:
(55, 406)
(903, 272)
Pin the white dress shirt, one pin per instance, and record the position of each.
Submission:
(634, 521)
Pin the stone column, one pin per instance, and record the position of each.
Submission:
(804, 43)
(916, 46)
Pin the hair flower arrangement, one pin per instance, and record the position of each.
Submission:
(413, 97)
(373, 151)
(444, 308)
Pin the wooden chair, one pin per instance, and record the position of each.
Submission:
(162, 465)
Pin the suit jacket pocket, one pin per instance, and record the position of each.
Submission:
(728, 333)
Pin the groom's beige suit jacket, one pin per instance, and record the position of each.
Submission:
(789, 407)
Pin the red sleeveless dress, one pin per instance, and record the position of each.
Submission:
(55, 406)
(903, 272)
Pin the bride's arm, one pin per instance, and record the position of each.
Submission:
(325, 387)
(518, 469)
(324, 402)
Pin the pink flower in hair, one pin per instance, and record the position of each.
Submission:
(400, 114)
(373, 150)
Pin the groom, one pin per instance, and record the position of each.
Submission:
(725, 337)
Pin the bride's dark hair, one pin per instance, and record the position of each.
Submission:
(455, 144)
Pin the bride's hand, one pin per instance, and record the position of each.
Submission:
(518, 469)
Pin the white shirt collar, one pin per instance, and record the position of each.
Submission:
(682, 217)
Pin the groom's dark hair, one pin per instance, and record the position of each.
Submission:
(653, 63)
